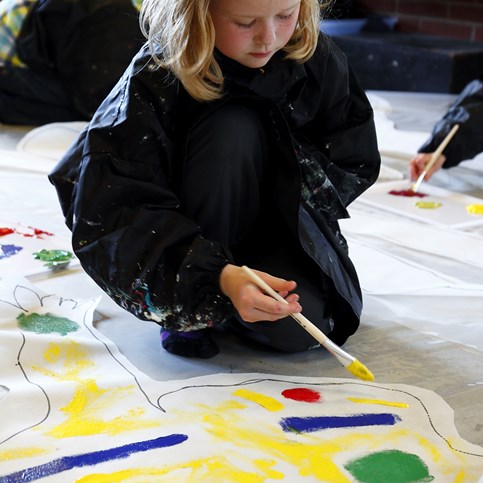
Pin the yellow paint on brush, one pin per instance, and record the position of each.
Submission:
(266, 402)
(428, 205)
(378, 401)
(475, 209)
(360, 370)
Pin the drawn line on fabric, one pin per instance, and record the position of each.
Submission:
(18, 305)
(327, 384)
(90, 459)
(49, 406)
(155, 405)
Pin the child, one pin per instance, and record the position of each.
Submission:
(467, 111)
(238, 136)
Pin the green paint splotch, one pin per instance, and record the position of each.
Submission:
(46, 323)
(393, 465)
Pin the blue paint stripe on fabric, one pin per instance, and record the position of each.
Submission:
(90, 459)
(317, 423)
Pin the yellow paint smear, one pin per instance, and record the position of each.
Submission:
(475, 209)
(428, 205)
(19, 453)
(92, 409)
(266, 402)
(360, 370)
(378, 401)
(216, 468)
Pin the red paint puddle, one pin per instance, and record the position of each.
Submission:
(301, 394)
(36, 232)
(407, 193)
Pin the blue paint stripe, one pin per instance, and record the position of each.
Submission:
(89, 459)
(317, 423)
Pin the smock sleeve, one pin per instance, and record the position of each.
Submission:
(467, 111)
(115, 185)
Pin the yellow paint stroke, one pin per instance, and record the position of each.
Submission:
(216, 468)
(475, 209)
(428, 205)
(267, 402)
(361, 400)
(85, 411)
(19, 453)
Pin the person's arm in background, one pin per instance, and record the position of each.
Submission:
(467, 111)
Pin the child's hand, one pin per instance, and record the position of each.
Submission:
(418, 163)
(252, 304)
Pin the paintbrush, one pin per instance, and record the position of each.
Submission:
(434, 158)
(350, 363)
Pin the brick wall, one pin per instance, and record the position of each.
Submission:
(458, 19)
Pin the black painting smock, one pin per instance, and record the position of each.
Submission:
(118, 184)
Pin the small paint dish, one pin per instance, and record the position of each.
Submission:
(475, 209)
(428, 205)
(54, 259)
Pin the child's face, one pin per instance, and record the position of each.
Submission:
(251, 31)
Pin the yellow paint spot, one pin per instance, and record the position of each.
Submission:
(360, 370)
(475, 209)
(378, 401)
(266, 402)
(428, 205)
(19, 453)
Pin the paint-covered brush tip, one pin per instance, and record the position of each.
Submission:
(360, 370)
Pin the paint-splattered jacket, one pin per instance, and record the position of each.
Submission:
(117, 184)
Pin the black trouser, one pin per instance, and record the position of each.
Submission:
(227, 190)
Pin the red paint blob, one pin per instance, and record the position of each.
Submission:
(407, 193)
(39, 232)
(6, 231)
(301, 394)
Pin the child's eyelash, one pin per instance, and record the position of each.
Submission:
(280, 17)
(286, 17)
(243, 25)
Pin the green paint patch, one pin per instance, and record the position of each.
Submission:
(54, 258)
(46, 324)
(389, 466)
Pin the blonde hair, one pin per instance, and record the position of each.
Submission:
(181, 37)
